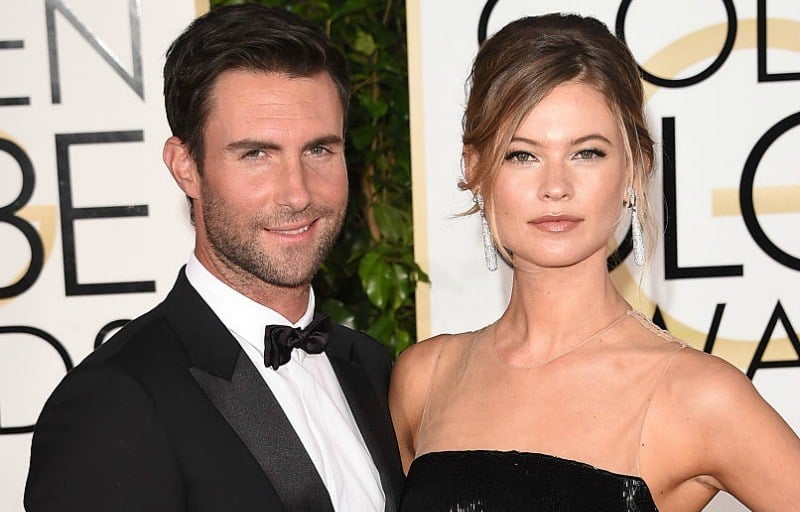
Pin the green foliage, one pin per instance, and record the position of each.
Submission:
(369, 279)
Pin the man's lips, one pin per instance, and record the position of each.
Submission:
(292, 230)
(555, 223)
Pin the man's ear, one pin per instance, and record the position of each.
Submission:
(182, 166)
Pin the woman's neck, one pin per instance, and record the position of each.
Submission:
(551, 310)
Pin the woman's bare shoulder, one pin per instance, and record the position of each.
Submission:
(708, 393)
(420, 358)
(738, 441)
(698, 377)
(411, 379)
(429, 348)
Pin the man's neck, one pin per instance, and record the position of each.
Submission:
(291, 302)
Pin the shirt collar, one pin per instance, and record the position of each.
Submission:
(241, 315)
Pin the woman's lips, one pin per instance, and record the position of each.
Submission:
(555, 223)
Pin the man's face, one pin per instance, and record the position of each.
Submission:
(273, 190)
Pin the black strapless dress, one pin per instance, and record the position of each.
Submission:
(493, 481)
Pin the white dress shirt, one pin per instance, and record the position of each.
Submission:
(308, 391)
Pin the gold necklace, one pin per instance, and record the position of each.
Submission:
(573, 348)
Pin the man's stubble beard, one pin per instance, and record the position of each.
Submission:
(237, 243)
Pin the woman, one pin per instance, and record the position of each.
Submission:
(572, 401)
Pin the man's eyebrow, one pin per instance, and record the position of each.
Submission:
(325, 140)
(249, 144)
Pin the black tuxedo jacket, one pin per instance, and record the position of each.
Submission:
(171, 415)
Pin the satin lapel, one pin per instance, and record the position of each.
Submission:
(253, 412)
(366, 410)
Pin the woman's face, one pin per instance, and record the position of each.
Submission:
(558, 195)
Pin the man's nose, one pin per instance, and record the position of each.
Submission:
(292, 187)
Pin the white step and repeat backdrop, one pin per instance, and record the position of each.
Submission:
(723, 87)
(92, 227)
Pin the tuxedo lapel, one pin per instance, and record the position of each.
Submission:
(253, 412)
(231, 382)
(366, 409)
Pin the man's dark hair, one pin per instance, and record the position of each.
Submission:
(246, 37)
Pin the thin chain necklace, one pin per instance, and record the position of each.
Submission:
(571, 349)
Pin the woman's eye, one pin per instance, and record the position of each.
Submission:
(520, 156)
(589, 154)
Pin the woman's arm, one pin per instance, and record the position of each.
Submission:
(713, 431)
(408, 392)
(754, 454)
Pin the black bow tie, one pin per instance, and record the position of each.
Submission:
(279, 340)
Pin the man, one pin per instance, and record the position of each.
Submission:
(201, 404)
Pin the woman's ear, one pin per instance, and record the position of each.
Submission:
(629, 183)
(471, 160)
(182, 166)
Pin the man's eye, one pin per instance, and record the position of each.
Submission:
(254, 153)
(319, 150)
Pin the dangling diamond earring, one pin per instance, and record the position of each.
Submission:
(489, 250)
(636, 229)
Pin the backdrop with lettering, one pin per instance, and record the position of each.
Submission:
(723, 100)
(92, 227)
